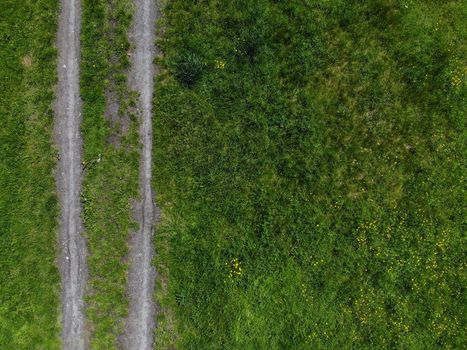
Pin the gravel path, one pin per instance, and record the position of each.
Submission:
(67, 130)
(139, 329)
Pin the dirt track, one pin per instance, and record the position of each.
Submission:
(69, 177)
(139, 329)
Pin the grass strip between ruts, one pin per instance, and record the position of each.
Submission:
(111, 164)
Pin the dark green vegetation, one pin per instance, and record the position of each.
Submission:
(111, 163)
(308, 159)
(29, 279)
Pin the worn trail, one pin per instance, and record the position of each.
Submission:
(139, 329)
(69, 177)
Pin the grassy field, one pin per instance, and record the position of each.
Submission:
(308, 158)
(29, 279)
(111, 162)
(309, 161)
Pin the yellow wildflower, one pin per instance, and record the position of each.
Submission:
(220, 64)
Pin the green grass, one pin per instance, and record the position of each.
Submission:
(322, 144)
(111, 175)
(29, 279)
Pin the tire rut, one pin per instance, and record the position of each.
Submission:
(140, 323)
(68, 118)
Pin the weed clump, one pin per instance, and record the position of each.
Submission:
(187, 68)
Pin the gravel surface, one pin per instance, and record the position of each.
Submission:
(69, 177)
(140, 324)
